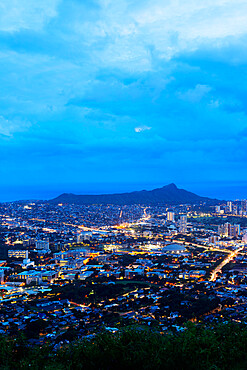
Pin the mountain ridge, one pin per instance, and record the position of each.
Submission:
(168, 194)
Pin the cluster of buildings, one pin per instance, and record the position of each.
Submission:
(233, 208)
(229, 230)
(160, 266)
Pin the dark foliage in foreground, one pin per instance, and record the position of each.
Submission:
(219, 347)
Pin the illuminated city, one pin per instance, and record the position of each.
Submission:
(123, 185)
(72, 271)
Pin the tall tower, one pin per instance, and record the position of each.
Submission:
(229, 205)
(170, 216)
(183, 224)
(244, 205)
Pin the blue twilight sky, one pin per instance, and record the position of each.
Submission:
(119, 95)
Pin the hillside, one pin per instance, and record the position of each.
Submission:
(222, 346)
(168, 194)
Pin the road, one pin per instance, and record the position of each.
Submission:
(229, 258)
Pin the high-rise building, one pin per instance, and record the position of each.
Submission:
(235, 209)
(183, 224)
(213, 239)
(84, 236)
(217, 209)
(235, 231)
(229, 230)
(42, 246)
(170, 216)
(229, 206)
(244, 205)
(244, 239)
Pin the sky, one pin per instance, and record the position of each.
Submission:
(101, 96)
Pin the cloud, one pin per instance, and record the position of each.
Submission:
(196, 94)
(8, 127)
(27, 14)
(123, 33)
(142, 128)
(123, 90)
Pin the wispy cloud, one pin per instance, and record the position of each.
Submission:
(142, 128)
(26, 14)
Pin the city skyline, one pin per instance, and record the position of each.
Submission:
(105, 97)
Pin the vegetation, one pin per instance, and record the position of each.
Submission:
(223, 346)
(90, 292)
(218, 220)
